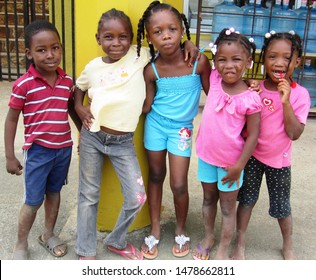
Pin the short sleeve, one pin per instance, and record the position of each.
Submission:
(254, 104)
(82, 81)
(301, 103)
(18, 96)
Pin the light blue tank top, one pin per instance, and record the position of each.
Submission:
(177, 98)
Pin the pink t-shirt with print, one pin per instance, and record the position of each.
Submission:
(274, 147)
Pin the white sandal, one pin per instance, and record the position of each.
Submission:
(151, 241)
(180, 240)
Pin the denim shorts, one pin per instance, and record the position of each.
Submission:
(209, 173)
(165, 134)
(278, 181)
(45, 170)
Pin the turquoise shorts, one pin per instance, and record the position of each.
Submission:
(209, 173)
(165, 134)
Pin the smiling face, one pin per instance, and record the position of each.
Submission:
(164, 31)
(231, 61)
(45, 50)
(278, 61)
(115, 39)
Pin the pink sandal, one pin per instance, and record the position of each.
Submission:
(129, 252)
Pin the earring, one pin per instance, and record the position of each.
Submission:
(251, 64)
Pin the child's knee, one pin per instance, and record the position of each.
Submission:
(157, 177)
(180, 190)
(29, 210)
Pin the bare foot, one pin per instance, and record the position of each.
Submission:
(288, 254)
(21, 246)
(238, 253)
(221, 257)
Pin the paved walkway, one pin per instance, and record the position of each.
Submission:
(264, 238)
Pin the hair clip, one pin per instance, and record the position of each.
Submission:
(230, 31)
(269, 34)
(292, 32)
(251, 40)
(213, 48)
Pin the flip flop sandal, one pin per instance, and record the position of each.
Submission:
(127, 253)
(151, 242)
(51, 245)
(205, 252)
(180, 240)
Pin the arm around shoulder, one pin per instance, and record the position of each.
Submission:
(204, 69)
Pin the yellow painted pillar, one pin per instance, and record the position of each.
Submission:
(87, 15)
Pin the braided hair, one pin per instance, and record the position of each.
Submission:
(296, 44)
(154, 7)
(115, 14)
(228, 35)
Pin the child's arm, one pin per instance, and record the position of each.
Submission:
(204, 69)
(13, 165)
(72, 113)
(83, 112)
(292, 126)
(150, 81)
(253, 128)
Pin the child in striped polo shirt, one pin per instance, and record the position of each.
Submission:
(44, 96)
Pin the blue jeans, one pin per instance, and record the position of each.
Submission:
(121, 152)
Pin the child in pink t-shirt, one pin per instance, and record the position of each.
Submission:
(283, 117)
(223, 152)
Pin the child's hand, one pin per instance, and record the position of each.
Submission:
(233, 174)
(85, 115)
(14, 166)
(254, 85)
(191, 53)
(284, 88)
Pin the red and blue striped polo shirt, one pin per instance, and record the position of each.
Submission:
(44, 108)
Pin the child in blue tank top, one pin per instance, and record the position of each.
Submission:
(172, 98)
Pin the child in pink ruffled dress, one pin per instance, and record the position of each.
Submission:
(222, 151)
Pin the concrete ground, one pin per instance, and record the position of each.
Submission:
(263, 239)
